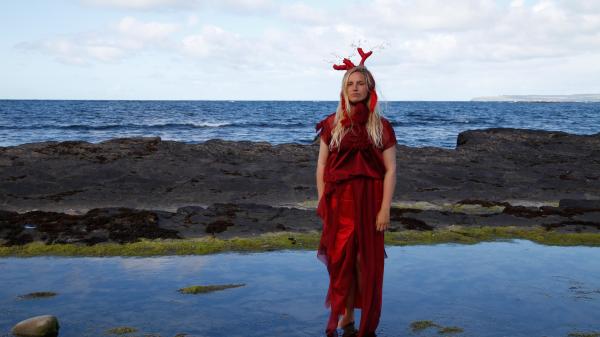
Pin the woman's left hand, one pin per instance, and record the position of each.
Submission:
(383, 219)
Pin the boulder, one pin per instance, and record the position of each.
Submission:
(38, 326)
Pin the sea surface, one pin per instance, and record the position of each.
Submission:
(416, 124)
(513, 288)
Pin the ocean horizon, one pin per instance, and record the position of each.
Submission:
(416, 123)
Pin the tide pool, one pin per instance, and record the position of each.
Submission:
(502, 288)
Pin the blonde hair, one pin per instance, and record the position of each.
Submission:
(374, 125)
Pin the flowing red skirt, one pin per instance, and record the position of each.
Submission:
(350, 239)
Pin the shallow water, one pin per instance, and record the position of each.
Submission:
(511, 288)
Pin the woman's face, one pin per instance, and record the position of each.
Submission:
(356, 87)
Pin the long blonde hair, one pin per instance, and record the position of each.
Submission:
(374, 125)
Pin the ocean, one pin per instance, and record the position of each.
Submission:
(416, 123)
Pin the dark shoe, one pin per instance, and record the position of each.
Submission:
(349, 330)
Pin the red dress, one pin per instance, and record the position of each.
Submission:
(348, 208)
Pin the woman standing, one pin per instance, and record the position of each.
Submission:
(356, 178)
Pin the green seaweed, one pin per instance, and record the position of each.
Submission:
(417, 326)
(450, 330)
(121, 330)
(300, 241)
(422, 325)
(199, 289)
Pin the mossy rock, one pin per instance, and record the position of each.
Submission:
(417, 326)
(422, 325)
(302, 241)
(450, 330)
(207, 289)
(121, 330)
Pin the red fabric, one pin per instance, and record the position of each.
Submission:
(373, 100)
(360, 115)
(348, 208)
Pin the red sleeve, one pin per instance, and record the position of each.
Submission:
(389, 136)
(325, 129)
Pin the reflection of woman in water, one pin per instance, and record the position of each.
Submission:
(356, 178)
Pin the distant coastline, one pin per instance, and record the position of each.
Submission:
(540, 98)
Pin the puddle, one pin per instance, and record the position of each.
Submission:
(508, 288)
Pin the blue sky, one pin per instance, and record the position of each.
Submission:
(281, 50)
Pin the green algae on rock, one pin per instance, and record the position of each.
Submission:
(200, 289)
(156, 247)
(450, 330)
(422, 325)
(300, 241)
(121, 330)
(473, 235)
(417, 326)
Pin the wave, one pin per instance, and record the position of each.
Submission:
(199, 125)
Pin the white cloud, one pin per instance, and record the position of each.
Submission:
(146, 31)
(423, 38)
(123, 39)
(82, 50)
(211, 41)
(104, 53)
(303, 13)
(142, 4)
(244, 6)
(436, 31)
(240, 6)
(424, 15)
(192, 20)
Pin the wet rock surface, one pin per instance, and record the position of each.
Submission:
(119, 225)
(231, 220)
(125, 189)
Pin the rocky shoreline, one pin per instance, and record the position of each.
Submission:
(125, 189)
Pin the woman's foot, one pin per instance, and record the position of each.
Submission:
(346, 320)
(349, 330)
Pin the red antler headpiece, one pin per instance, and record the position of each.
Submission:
(349, 65)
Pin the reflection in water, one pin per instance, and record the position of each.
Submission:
(513, 288)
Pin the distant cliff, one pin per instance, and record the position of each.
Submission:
(540, 98)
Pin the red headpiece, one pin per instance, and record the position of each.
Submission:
(349, 65)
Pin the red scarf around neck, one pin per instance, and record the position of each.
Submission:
(360, 115)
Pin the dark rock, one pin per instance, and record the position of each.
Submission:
(587, 204)
(218, 226)
(37, 294)
(522, 211)
(228, 220)
(411, 223)
(119, 225)
(574, 226)
(490, 165)
(247, 187)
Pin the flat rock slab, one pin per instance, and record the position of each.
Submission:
(122, 225)
(497, 164)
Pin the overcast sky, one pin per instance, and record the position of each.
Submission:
(284, 50)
